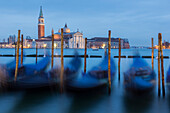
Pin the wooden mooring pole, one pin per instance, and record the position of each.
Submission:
(159, 93)
(22, 50)
(62, 64)
(52, 49)
(109, 73)
(85, 53)
(119, 58)
(162, 65)
(17, 57)
(36, 52)
(152, 55)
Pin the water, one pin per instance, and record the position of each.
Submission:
(120, 101)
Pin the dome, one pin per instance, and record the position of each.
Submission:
(66, 30)
(57, 36)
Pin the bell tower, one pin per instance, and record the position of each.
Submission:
(41, 25)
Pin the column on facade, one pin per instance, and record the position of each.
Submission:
(75, 42)
(80, 42)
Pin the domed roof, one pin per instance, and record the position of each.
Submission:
(66, 30)
(57, 36)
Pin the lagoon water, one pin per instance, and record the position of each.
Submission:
(120, 101)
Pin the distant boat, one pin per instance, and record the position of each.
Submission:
(95, 49)
(96, 78)
(140, 77)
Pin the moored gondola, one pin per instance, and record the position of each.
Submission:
(168, 79)
(96, 78)
(7, 71)
(140, 77)
(47, 79)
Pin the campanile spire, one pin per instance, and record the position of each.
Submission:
(41, 25)
(41, 13)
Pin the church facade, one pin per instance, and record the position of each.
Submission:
(71, 39)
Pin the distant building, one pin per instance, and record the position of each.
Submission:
(166, 45)
(71, 39)
(11, 39)
(126, 43)
(4, 45)
(102, 42)
(41, 25)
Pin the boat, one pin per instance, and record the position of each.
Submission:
(140, 77)
(86, 82)
(50, 78)
(96, 78)
(7, 71)
(101, 71)
(26, 69)
(95, 49)
(168, 78)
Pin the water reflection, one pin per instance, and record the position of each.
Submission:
(31, 100)
(137, 103)
(84, 102)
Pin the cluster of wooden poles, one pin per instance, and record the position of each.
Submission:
(160, 51)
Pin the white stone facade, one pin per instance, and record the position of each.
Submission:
(77, 41)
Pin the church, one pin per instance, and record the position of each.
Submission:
(71, 39)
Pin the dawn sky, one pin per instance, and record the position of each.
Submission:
(137, 20)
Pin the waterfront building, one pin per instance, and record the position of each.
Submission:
(41, 25)
(126, 43)
(4, 45)
(11, 39)
(102, 42)
(71, 39)
(166, 45)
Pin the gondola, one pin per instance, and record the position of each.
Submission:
(101, 71)
(96, 78)
(168, 78)
(26, 69)
(140, 77)
(50, 78)
(7, 72)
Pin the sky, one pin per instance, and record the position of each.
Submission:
(136, 20)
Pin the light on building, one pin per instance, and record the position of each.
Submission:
(156, 46)
(103, 46)
(45, 45)
(29, 45)
(55, 45)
